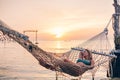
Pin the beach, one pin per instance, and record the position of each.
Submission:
(18, 64)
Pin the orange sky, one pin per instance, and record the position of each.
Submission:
(57, 19)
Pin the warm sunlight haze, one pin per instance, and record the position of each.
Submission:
(59, 39)
(57, 19)
(58, 32)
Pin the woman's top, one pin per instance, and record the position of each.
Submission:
(87, 62)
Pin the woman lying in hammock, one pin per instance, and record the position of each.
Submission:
(85, 59)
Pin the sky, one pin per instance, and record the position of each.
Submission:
(57, 19)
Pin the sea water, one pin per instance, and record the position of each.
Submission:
(18, 64)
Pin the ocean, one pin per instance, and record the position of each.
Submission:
(18, 64)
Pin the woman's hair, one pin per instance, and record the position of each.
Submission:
(89, 54)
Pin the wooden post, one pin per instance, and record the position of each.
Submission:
(114, 66)
(56, 75)
(79, 78)
(36, 41)
(36, 37)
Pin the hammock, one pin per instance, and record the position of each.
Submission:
(101, 50)
(46, 59)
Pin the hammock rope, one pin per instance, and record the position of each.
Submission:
(98, 44)
(50, 61)
(47, 60)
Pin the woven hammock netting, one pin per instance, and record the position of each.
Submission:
(49, 60)
(99, 43)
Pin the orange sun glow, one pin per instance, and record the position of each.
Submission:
(58, 32)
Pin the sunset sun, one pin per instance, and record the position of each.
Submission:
(58, 32)
(58, 35)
